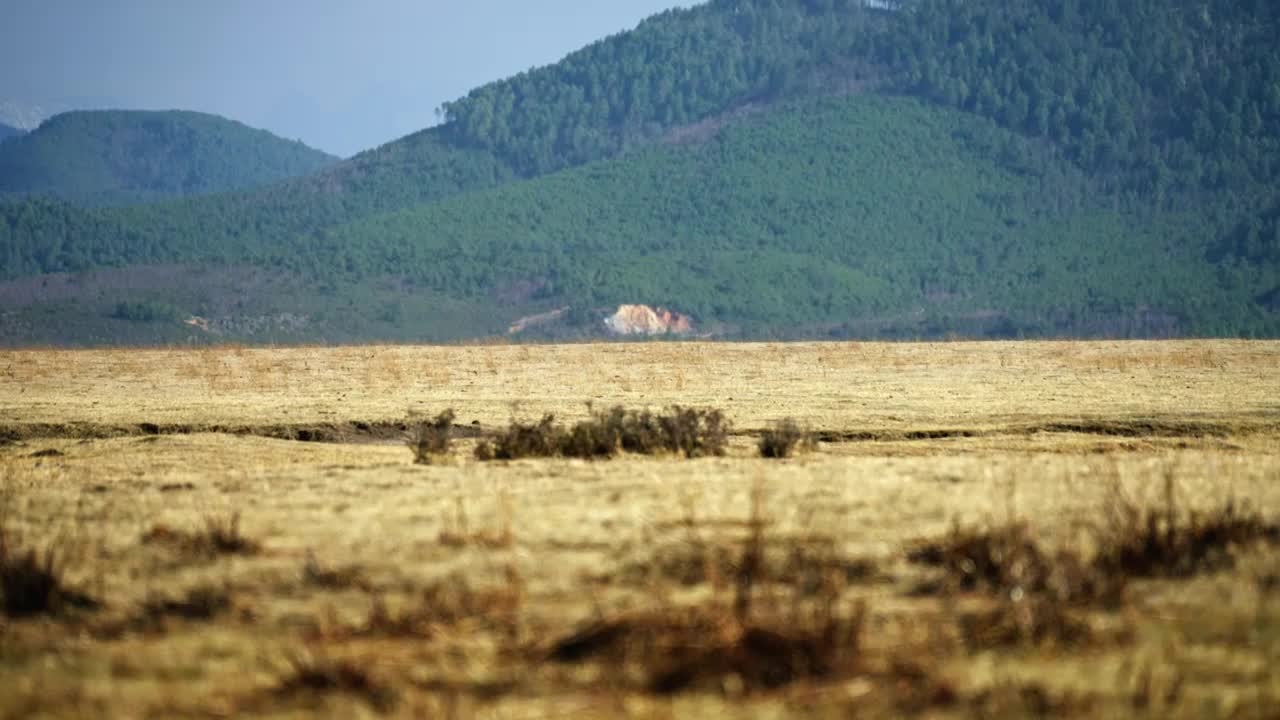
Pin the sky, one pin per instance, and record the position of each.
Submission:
(340, 75)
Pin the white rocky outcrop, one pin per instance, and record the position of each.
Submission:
(644, 320)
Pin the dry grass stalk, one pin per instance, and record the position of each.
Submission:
(1148, 541)
(220, 535)
(743, 642)
(33, 580)
(1038, 595)
(330, 578)
(447, 603)
(202, 602)
(1007, 561)
(457, 532)
(317, 674)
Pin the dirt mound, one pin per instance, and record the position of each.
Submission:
(644, 320)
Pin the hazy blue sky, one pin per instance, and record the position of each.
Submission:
(341, 75)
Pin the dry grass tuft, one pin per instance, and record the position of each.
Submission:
(1007, 561)
(691, 432)
(458, 533)
(331, 578)
(743, 642)
(784, 439)
(1039, 596)
(32, 581)
(1030, 700)
(1147, 541)
(1030, 620)
(450, 602)
(309, 675)
(220, 536)
(802, 564)
(694, 432)
(519, 440)
(703, 647)
(202, 602)
(430, 439)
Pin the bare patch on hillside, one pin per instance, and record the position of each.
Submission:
(644, 320)
(530, 321)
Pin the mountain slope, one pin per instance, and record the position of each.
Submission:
(7, 132)
(788, 167)
(538, 121)
(124, 157)
(853, 214)
(859, 215)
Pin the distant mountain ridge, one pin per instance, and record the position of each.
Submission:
(791, 168)
(119, 157)
(8, 131)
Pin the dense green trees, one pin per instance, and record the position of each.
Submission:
(121, 157)
(859, 215)
(676, 68)
(1165, 95)
(802, 166)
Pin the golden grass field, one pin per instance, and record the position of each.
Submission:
(643, 586)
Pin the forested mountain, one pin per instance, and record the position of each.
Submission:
(7, 132)
(126, 157)
(795, 167)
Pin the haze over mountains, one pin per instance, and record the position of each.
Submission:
(772, 168)
(116, 157)
(8, 131)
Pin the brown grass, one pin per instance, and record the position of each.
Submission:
(32, 575)
(738, 640)
(1167, 541)
(202, 602)
(219, 535)
(316, 574)
(32, 580)
(319, 675)
(649, 586)
(1007, 561)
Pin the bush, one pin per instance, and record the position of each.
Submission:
(31, 581)
(783, 439)
(695, 432)
(431, 438)
(691, 432)
(1155, 541)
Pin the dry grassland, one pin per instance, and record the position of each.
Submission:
(985, 530)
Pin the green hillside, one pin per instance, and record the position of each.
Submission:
(127, 157)
(776, 167)
(844, 216)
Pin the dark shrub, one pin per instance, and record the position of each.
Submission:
(431, 438)
(690, 432)
(784, 439)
